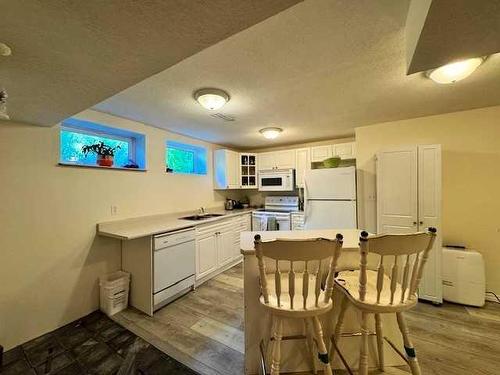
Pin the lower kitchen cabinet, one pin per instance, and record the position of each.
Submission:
(297, 220)
(218, 245)
(206, 254)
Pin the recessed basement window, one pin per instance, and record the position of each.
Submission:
(84, 143)
(185, 158)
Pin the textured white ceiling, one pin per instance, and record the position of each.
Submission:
(318, 70)
(71, 54)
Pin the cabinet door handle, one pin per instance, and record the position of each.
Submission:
(421, 222)
(414, 223)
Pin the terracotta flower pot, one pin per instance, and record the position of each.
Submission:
(105, 160)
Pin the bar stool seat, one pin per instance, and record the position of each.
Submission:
(348, 282)
(301, 309)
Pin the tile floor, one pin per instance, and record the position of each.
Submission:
(92, 345)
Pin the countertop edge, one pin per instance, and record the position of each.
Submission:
(181, 224)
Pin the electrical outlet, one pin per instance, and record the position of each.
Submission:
(114, 210)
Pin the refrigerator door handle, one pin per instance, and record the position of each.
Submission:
(305, 202)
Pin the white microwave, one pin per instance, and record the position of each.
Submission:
(276, 180)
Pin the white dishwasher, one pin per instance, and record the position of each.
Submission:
(174, 265)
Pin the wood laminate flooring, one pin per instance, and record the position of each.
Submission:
(204, 330)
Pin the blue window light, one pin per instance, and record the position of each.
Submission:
(185, 158)
(77, 133)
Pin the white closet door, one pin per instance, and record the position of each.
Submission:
(429, 215)
(397, 190)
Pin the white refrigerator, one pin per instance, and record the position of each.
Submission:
(330, 198)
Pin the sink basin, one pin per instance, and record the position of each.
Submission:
(200, 217)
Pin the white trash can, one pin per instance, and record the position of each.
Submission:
(114, 290)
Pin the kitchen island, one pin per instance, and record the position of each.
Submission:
(292, 358)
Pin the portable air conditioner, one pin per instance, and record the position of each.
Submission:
(463, 277)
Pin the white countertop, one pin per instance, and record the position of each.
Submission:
(144, 226)
(351, 237)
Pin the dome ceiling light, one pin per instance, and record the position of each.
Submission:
(454, 72)
(211, 99)
(5, 50)
(271, 133)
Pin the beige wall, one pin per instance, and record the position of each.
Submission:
(471, 179)
(50, 258)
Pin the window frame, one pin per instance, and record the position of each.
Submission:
(193, 148)
(99, 130)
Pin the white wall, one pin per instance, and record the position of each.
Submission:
(50, 257)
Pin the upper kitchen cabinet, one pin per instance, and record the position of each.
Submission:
(227, 168)
(320, 153)
(343, 150)
(302, 164)
(277, 160)
(248, 171)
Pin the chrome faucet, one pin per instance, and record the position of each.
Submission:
(201, 210)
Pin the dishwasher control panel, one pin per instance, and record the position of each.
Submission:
(174, 238)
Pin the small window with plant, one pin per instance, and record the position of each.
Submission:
(84, 143)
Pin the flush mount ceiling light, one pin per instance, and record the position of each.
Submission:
(211, 99)
(456, 71)
(270, 133)
(5, 50)
(3, 105)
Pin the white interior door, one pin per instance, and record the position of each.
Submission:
(397, 190)
(330, 215)
(429, 215)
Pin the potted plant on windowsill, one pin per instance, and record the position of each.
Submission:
(105, 154)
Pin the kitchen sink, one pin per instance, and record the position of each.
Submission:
(200, 217)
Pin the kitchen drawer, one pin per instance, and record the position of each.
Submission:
(219, 226)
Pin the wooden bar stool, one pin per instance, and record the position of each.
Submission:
(391, 288)
(295, 291)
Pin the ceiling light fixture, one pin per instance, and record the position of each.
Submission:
(3, 105)
(211, 99)
(451, 73)
(5, 50)
(270, 133)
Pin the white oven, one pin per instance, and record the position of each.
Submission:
(276, 214)
(260, 220)
(276, 180)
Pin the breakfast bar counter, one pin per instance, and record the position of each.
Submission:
(292, 355)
